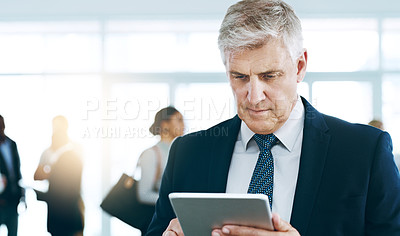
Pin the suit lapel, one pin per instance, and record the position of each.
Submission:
(222, 150)
(312, 161)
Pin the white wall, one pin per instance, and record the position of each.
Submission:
(183, 8)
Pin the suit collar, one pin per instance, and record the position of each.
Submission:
(222, 150)
(312, 161)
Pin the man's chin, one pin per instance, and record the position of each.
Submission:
(259, 124)
(261, 129)
(256, 118)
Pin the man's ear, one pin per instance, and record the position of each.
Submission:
(301, 66)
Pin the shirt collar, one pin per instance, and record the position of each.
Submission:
(287, 134)
(246, 134)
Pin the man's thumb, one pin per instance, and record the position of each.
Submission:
(279, 224)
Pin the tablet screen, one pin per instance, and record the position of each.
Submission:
(200, 213)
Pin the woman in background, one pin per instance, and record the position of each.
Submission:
(61, 164)
(168, 124)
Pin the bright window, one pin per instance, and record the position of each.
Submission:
(129, 112)
(143, 52)
(348, 100)
(40, 47)
(202, 54)
(341, 44)
(303, 89)
(390, 44)
(162, 46)
(204, 104)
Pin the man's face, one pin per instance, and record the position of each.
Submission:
(264, 83)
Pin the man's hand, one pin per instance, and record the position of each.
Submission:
(173, 229)
(281, 228)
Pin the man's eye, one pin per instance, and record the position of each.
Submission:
(240, 77)
(268, 76)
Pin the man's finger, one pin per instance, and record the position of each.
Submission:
(173, 229)
(281, 225)
(217, 232)
(236, 230)
(169, 233)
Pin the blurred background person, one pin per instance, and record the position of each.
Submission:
(168, 124)
(11, 193)
(376, 123)
(61, 165)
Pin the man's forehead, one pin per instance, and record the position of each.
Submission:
(257, 61)
(241, 65)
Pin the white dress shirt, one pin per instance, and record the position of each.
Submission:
(286, 154)
(148, 163)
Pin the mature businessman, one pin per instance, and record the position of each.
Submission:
(324, 176)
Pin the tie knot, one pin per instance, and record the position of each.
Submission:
(265, 141)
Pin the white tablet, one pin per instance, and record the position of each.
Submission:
(200, 213)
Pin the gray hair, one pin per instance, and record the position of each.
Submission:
(249, 24)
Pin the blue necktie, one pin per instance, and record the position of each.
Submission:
(262, 180)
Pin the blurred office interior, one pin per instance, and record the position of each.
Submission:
(108, 66)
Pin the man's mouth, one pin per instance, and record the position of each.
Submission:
(257, 111)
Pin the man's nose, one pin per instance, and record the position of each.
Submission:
(255, 91)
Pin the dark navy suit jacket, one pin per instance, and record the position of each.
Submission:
(13, 191)
(348, 183)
